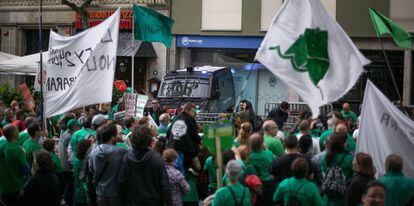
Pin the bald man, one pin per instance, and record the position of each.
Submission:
(350, 142)
(347, 113)
(271, 142)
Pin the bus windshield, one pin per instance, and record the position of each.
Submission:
(185, 87)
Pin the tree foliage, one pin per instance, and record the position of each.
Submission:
(82, 10)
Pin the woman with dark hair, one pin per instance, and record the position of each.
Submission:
(298, 188)
(364, 173)
(305, 145)
(44, 187)
(337, 156)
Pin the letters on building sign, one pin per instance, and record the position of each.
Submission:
(96, 17)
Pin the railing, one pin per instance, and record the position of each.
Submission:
(79, 2)
(296, 107)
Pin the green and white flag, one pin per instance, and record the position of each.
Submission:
(310, 52)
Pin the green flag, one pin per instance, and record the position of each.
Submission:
(384, 25)
(151, 26)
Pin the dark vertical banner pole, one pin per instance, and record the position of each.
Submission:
(389, 69)
(41, 66)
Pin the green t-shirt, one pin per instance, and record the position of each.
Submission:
(351, 115)
(210, 167)
(306, 192)
(78, 136)
(23, 136)
(12, 162)
(31, 146)
(274, 145)
(399, 188)
(261, 161)
(58, 165)
(80, 187)
(224, 197)
(3, 139)
(350, 142)
(122, 145)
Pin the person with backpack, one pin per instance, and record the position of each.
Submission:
(297, 190)
(80, 198)
(337, 170)
(104, 163)
(235, 193)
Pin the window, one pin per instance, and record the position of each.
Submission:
(221, 15)
(269, 9)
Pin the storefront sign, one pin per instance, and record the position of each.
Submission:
(237, 42)
(96, 17)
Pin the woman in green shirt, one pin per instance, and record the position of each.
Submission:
(298, 188)
(337, 155)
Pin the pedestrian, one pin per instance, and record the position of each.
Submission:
(49, 146)
(305, 146)
(399, 187)
(165, 121)
(347, 114)
(178, 184)
(84, 133)
(44, 188)
(375, 194)
(337, 170)
(32, 145)
(364, 173)
(246, 129)
(235, 193)
(297, 190)
(280, 115)
(80, 197)
(143, 179)
(261, 159)
(280, 168)
(304, 128)
(272, 143)
(104, 163)
(184, 138)
(154, 111)
(24, 135)
(72, 126)
(13, 166)
(9, 117)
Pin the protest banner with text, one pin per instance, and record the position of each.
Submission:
(80, 68)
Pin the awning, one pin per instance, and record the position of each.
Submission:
(25, 65)
(6, 56)
(141, 49)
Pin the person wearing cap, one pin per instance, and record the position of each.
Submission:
(155, 111)
(97, 121)
(72, 126)
(234, 193)
(119, 117)
(82, 134)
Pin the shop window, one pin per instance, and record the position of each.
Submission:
(221, 15)
(33, 44)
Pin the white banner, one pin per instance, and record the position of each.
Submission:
(308, 50)
(80, 68)
(385, 130)
(141, 102)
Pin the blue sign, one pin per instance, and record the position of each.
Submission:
(235, 42)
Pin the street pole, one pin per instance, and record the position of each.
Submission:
(44, 124)
(133, 50)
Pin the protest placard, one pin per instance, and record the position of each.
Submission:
(27, 96)
(130, 104)
(140, 106)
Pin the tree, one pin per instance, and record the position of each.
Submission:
(82, 10)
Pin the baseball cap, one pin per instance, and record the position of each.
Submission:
(119, 116)
(99, 119)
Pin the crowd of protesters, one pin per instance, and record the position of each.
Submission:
(92, 157)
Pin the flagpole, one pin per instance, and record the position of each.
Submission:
(389, 68)
(133, 49)
(43, 123)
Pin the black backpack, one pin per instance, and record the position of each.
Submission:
(293, 199)
(334, 183)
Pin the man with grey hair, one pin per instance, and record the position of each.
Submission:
(271, 141)
(332, 122)
(234, 193)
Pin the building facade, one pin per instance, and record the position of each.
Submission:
(228, 33)
(19, 29)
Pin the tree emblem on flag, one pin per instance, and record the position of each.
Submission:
(309, 54)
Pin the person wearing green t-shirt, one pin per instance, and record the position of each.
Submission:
(261, 159)
(235, 193)
(49, 146)
(13, 166)
(80, 187)
(399, 187)
(210, 167)
(337, 155)
(32, 145)
(24, 135)
(305, 191)
(347, 113)
(78, 136)
(271, 142)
